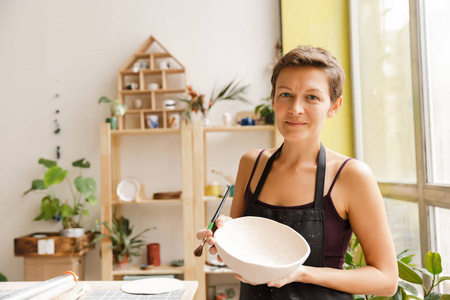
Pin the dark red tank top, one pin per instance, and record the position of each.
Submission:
(337, 230)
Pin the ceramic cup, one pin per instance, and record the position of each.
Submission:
(152, 121)
(132, 86)
(226, 117)
(174, 121)
(213, 189)
(153, 86)
(153, 257)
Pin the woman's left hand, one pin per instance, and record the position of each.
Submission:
(294, 276)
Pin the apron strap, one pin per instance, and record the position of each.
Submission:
(264, 174)
(320, 176)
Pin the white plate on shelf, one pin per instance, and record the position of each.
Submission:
(152, 286)
(128, 189)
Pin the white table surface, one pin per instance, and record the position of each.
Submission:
(190, 286)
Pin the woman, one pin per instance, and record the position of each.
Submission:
(290, 185)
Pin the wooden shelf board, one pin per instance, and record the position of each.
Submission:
(149, 110)
(170, 91)
(143, 55)
(160, 54)
(136, 270)
(144, 131)
(148, 201)
(174, 71)
(213, 270)
(160, 91)
(212, 199)
(135, 92)
(129, 73)
(240, 128)
(151, 71)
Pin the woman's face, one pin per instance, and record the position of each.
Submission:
(302, 102)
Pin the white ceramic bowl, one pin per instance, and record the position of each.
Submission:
(259, 249)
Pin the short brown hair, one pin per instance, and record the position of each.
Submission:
(306, 56)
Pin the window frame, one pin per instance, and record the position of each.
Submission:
(426, 195)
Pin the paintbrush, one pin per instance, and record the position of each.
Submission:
(198, 252)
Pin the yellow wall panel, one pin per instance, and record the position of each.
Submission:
(326, 24)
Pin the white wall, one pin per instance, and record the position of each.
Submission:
(74, 49)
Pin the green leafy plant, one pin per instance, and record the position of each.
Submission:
(119, 233)
(3, 277)
(52, 208)
(233, 91)
(117, 109)
(408, 273)
(264, 109)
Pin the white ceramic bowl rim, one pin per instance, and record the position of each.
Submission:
(308, 250)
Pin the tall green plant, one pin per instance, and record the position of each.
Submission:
(230, 92)
(52, 208)
(119, 233)
(408, 273)
(3, 277)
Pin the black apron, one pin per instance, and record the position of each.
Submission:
(310, 224)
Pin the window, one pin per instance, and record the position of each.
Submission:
(386, 92)
(401, 73)
(403, 219)
(437, 45)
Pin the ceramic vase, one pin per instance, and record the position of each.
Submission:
(72, 232)
(113, 121)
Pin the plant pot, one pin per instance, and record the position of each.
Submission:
(123, 265)
(113, 121)
(269, 119)
(72, 232)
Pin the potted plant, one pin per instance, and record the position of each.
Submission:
(196, 103)
(265, 110)
(122, 245)
(408, 273)
(117, 110)
(82, 196)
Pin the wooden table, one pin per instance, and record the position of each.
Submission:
(191, 286)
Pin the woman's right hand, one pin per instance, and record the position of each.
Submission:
(206, 233)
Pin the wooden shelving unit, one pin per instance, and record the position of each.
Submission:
(200, 136)
(111, 176)
(150, 53)
(150, 64)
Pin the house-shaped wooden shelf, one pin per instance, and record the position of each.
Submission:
(149, 78)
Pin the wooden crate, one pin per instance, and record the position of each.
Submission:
(64, 246)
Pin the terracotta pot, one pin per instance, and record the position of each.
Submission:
(121, 265)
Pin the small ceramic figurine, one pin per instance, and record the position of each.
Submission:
(137, 103)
